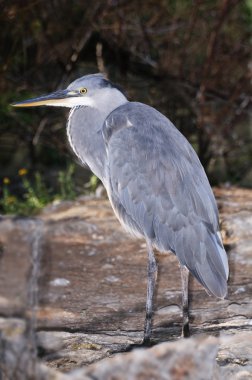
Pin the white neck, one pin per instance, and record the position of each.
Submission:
(84, 129)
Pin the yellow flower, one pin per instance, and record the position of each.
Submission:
(22, 172)
(6, 181)
(11, 199)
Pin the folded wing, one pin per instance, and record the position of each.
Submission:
(159, 190)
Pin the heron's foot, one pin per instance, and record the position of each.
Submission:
(143, 344)
(147, 325)
(146, 342)
(186, 330)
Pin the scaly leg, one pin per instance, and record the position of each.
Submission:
(152, 277)
(185, 309)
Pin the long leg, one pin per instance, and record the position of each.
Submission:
(152, 277)
(185, 307)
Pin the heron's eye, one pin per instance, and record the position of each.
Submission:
(83, 90)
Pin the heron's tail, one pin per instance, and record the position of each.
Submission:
(205, 257)
(212, 272)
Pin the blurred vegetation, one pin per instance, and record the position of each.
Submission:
(34, 193)
(189, 59)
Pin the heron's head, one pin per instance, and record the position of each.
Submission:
(89, 91)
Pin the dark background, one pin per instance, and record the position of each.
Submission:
(189, 59)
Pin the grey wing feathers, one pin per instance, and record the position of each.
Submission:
(159, 189)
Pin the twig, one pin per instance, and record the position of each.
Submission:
(99, 60)
(39, 130)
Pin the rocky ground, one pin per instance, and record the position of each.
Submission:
(72, 299)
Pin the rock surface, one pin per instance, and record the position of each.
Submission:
(75, 276)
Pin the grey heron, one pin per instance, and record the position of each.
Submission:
(155, 182)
